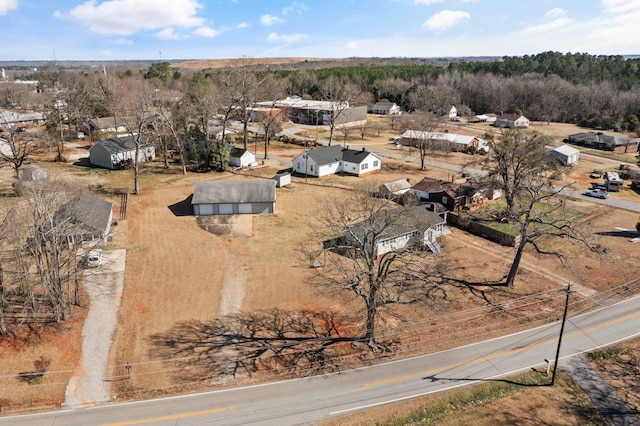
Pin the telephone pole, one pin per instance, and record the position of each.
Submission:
(564, 319)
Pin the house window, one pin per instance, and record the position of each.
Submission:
(297, 165)
(311, 167)
(444, 200)
(304, 155)
(375, 163)
(364, 166)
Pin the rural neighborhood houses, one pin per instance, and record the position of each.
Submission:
(106, 125)
(327, 160)
(116, 153)
(511, 120)
(416, 226)
(234, 197)
(313, 112)
(565, 154)
(384, 108)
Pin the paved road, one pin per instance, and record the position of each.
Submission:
(309, 400)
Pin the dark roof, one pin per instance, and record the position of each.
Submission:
(429, 185)
(399, 221)
(331, 154)
(326, 154)
(122, 144)
(354, 156)
(601, 138)
(234, 191)
(105, 123)
(238, 152)
(84, 213)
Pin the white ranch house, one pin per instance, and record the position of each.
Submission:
(452, 141)
(116, 153)
(416, 226)
(328, 160)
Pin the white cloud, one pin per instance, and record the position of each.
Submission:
(548, 27)
(286, 38)
(242, 25)
(555, 12)
(270, 20)
(7, 5)
(206, 32)
(427, 2)
(122, 42)
(108, 53)
(167, 34)
(126, 17)
(621, 6)
(446, 19)
(296, 7)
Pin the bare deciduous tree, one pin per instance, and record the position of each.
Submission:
(519, 165)
(338, 93)
(351, 230)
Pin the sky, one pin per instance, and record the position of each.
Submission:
(212, 29)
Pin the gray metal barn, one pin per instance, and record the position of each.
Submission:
(234, 197)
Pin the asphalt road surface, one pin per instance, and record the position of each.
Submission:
(306, 401)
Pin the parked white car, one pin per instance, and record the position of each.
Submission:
(93, 258)
(597, 193)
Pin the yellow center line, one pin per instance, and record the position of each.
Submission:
(496, 355)
(174, 417)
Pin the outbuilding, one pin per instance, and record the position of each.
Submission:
(565, 154)
(282, 179)
(234, 197)
(239, 157)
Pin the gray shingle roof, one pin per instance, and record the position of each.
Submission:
(400, 221)
(123, 144)
(331, 154)
(232, 191)
(84, 213)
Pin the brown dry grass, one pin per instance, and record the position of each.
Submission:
(176, 271)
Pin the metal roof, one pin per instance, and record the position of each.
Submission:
(234, 191)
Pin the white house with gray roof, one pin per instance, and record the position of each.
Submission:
(117, 153)
(327, 160)
(226, 197)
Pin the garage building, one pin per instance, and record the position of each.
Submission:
(234, 197)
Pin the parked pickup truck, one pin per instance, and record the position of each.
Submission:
(597, 193)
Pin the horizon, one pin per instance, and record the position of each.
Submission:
(127, 30)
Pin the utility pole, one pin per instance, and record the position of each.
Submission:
(564, 319)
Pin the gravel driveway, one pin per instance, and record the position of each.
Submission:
(104, 285)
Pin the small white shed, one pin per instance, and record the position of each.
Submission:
(282, 179)
(565, 154)
(239, 157)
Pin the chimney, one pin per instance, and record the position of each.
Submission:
(434, 207)
(363, 149)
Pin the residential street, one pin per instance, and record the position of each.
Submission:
(309, 400)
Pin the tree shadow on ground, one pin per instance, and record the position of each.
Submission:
(286, 343)
(182, 208)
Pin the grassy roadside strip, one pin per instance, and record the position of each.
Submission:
(522, 399)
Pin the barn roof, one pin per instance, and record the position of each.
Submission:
(234, 191)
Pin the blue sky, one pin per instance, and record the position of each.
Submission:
(199, 29)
